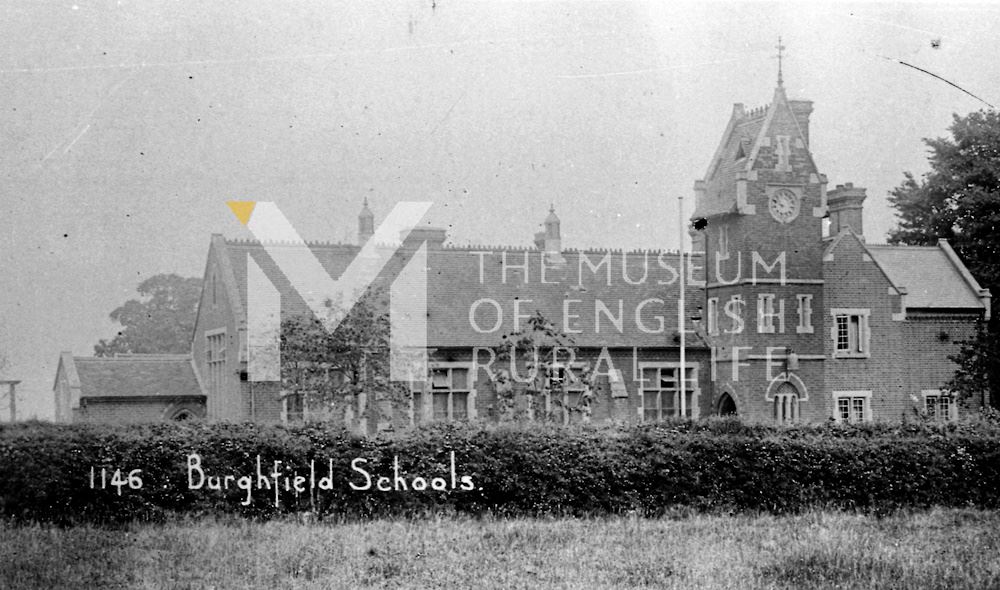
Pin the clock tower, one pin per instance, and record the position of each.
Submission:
(764, 200)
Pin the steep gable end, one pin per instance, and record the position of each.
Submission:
(717, 191)
(219, 282)
(838, 241)
(932, 276)
(774, 138)
(782, 142)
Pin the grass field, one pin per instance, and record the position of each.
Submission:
(946, 549)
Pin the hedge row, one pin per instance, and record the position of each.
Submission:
(719, 466)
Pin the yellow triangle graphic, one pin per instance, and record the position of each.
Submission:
(242, 209)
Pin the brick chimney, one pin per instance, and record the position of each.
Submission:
(697, 239)
(540, 240)
(845, 204)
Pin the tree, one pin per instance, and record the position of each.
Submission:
(539, 361)
(329, 370)
(161, 321)
(959, 200)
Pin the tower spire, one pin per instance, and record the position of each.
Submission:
(366, 224)
(781, 49)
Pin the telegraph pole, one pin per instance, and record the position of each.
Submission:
(682, 371)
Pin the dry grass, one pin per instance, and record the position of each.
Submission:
(941, 549)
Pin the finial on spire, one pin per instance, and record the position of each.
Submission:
(552, 207)
(780, 49)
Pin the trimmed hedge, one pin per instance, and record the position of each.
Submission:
(534, 470)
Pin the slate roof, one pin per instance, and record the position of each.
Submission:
(929, 275)
(154, 375)
(720, 188)
(454, 285)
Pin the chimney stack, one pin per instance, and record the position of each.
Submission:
(697, 239)
(845, 204)
(540, 240)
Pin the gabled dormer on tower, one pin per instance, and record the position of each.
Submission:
(762, 193)
(769, 144)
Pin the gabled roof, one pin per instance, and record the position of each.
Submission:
(738, 151)
(216, 253)
(741, 134)
(454, 286)
(932, 278)
(138, 375)
(928, 277)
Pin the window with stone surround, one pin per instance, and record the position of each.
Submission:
(734, 309)
(215, 359)
(805, 314)
(766, 314)
(850, 333)
(940, 405)
(722, 251)
(852, 407)
(713, 316)
(444, 397)
(659, 393)
(293, 408)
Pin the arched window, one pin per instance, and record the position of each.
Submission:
(786, 404)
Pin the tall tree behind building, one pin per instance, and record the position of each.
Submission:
(959, 200)
(160, 321)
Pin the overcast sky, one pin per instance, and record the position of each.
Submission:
(125, 126)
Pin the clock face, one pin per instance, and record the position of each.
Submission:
(784, 205)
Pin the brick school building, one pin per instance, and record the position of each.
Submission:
(790, 314)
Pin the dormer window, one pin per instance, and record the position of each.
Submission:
(740, 152)
(783, 151)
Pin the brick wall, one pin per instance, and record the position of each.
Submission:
(215, 312)
(853, 280)
(907, 356)
(125, 410)
(930, 339)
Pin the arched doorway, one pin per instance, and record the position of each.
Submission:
(727, 405)
(183, 412)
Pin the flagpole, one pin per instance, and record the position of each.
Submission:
(682, 371)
